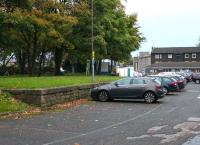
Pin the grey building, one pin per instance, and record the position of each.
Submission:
(175, 59)
(141, 61)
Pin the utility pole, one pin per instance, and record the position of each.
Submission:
(92, 11)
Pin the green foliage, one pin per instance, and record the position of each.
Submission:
(8, 104)
(30, 29)
(11, 5)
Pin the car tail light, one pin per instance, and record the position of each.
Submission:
(158, 87)
(173, 84)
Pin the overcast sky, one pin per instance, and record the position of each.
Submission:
(167, 23)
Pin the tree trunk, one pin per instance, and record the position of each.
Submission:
(95, 66)
(21, 60)
(30, 61)
(99, 67)
(33, 51)
(4, 61)
(58, 60)
(73, 68)
(40, 63)
(4, 70)
(111, 65)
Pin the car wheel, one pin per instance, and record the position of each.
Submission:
(150, 97)
(103, 96)
(165, 90)
(197, 81)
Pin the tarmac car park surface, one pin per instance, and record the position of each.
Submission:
(173, 120)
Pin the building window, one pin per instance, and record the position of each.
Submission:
(179, 57)
(169, 55)
(187, 55)
(158, 56)
(194, 55)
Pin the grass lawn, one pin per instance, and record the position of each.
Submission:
(8, 104)
(49, 81)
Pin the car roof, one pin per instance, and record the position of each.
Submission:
(144, 78)
(158, 76)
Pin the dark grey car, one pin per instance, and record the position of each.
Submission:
(129, 88)
(196, 78)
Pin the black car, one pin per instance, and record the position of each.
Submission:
(169, 84)
(129, 88)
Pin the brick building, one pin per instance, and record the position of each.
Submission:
(141, 61)
(175, 59)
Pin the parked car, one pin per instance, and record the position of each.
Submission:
(129, 88)
(196, 78)
(167, 73)
(188, 77)
(168, 83)
(181, 81)
(187, 74)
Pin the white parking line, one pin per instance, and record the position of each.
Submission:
(194, 119)
(193, 91)
(198, 97)
(172, 109)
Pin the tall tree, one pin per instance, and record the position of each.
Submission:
(118, 31)
(32, 28)
(45, 19)
(80, 36)
(60, 16)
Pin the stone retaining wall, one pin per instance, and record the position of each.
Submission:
(48, 97)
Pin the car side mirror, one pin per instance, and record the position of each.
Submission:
(116, 84)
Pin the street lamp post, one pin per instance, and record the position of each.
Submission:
(92, 11)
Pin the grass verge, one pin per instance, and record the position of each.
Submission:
(9, 104)
(28, 112)
(17, 82)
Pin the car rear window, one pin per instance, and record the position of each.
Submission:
(156, 80)
(168, 80)
(174, 79)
